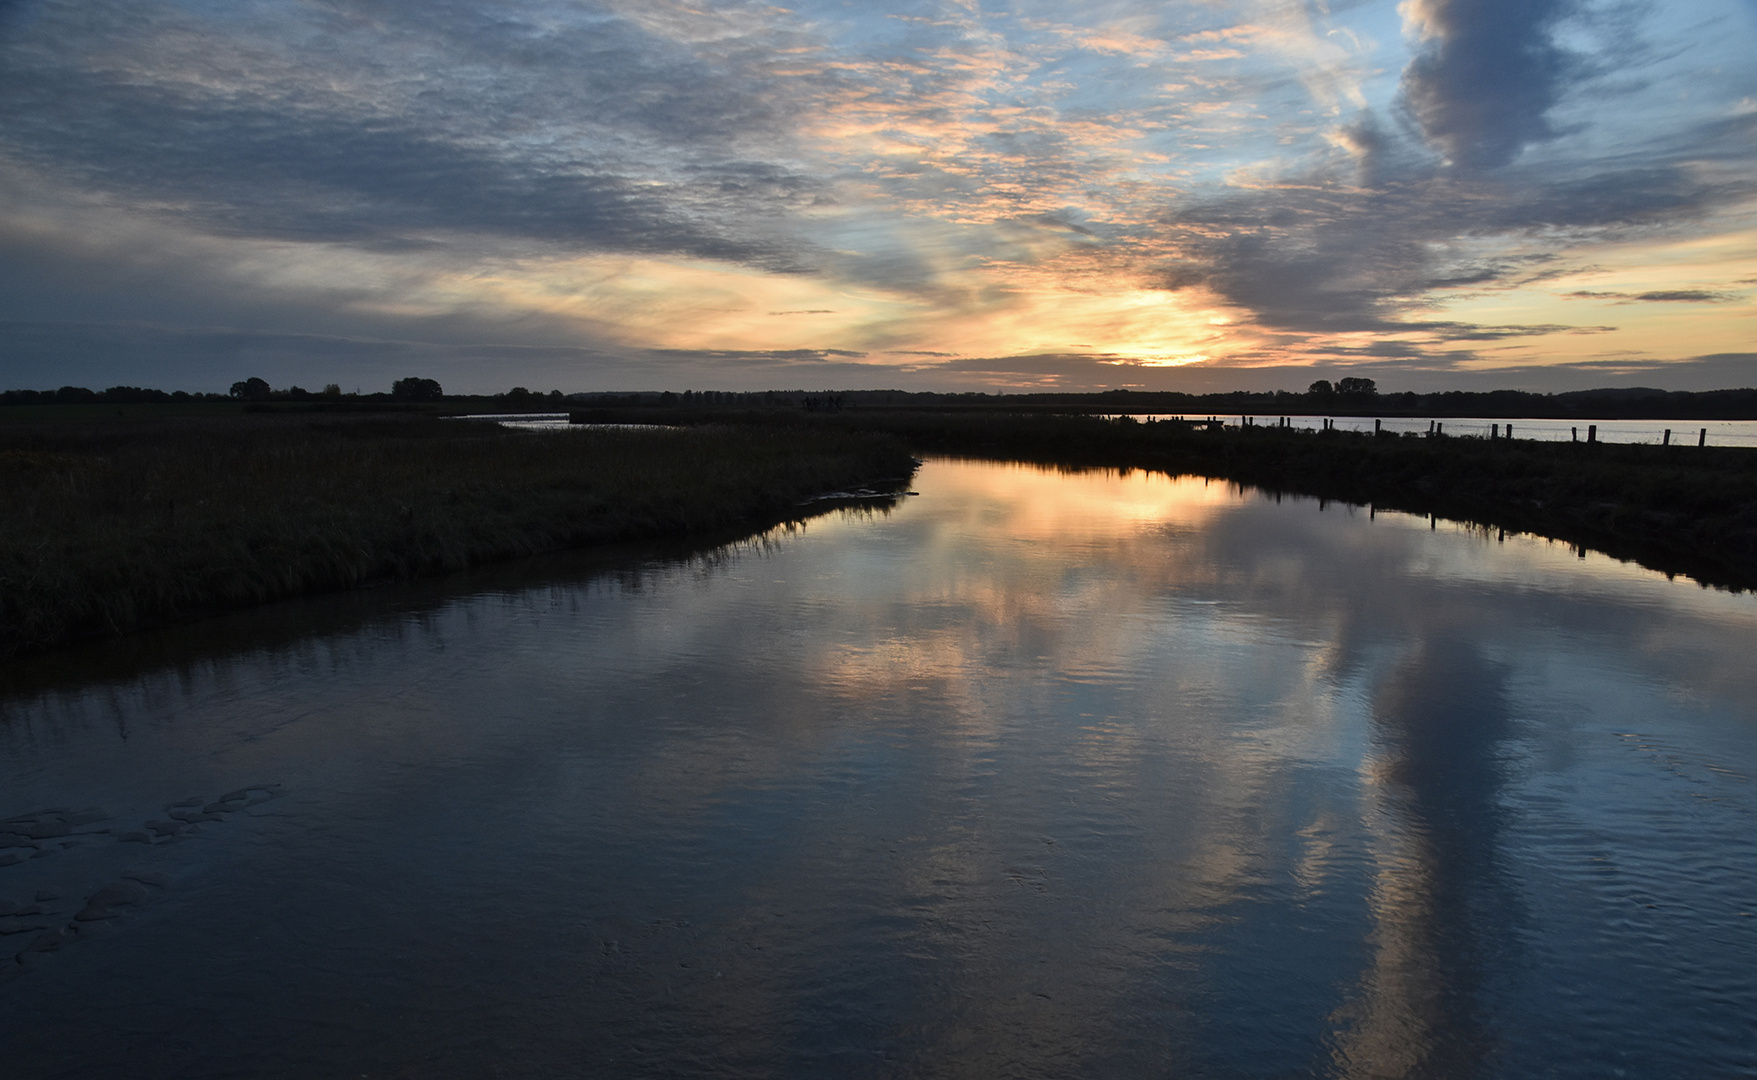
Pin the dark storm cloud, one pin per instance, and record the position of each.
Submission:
(603, 137)
(1483, 85)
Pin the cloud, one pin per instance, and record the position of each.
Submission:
(595, 134)
(1486, 77)
(1687, 296)
(1717, 371)
(1318, 255)
(762, 356)
(830, 189)
(42, 355)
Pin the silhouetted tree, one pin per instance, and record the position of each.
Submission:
(1321, 388)
(251, 389)
(413, 389)
(1354, 386)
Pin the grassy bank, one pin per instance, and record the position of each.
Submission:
(1680, 509)
(117, 523)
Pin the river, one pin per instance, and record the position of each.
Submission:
(1035, 774)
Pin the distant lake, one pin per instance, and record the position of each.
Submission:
(1038, 774)
(1683, 432)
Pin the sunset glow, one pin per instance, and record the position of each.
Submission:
(937, 195)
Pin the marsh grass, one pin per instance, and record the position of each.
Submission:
(114, 525)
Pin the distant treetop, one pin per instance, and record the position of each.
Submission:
(251, 389)
(414, 389)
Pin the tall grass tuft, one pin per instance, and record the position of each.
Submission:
(113, 526)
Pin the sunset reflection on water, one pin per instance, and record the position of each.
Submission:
(1040, 772)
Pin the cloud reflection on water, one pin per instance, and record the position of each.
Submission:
(1045, 772)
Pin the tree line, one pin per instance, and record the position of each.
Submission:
(257, 390)
(1349, 396)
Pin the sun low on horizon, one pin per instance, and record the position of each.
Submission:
(605, 195)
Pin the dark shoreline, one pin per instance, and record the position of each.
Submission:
(1678, 510)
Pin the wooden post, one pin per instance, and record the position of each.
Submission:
(1592, 433)
(1439, 427)
(1509, 431)
(1573, 434)
(1702, 438)
(1494, 432)
(1667, 441)
(1376, 423)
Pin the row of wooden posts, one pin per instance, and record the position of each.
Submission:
(1436, 427)
(1592, 435)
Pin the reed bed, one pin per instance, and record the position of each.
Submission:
(114, 526)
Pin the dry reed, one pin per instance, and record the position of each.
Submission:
(113, 526)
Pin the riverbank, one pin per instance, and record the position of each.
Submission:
(116, 524)
(1678, 509)
(119, 524)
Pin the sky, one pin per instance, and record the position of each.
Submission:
(956, 195)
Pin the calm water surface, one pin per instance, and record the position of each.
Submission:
(1036, 775)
